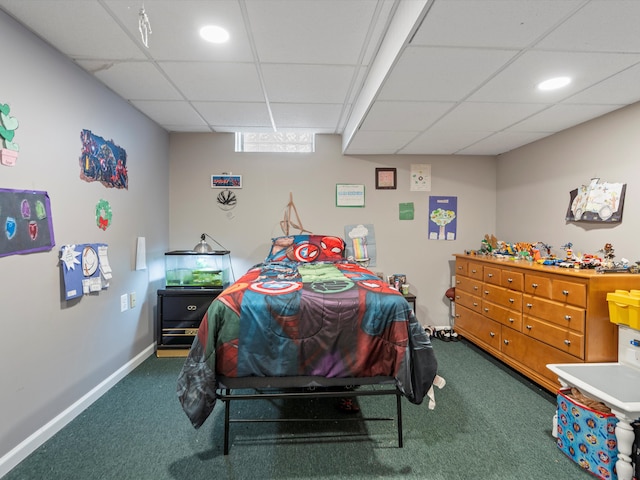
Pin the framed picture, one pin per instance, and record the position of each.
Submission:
(226, 181)
(349, 195)
(386, 178)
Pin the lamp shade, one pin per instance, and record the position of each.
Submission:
(202, 246)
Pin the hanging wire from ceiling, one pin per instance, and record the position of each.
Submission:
(144, 26)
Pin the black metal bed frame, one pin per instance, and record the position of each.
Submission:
(312, 388)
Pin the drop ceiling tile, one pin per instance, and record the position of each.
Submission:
(442, 142)
(132, 80)
(327, 32)
(307, 83)
(486, 116)
(175, 28)
(560, 117)
(413, 116)
(234, 113)
(600, 26)
(379, 142)
(187, 128)
(517, 83)
(491, 23)
(621, 88)
(215, 81)
(441, 74)
(65, 24)
(288, 115)
(169, 113)
(501, 142)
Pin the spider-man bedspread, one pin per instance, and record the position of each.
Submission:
(329, 318)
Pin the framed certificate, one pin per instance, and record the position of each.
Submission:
(349, 195)
(386, 178)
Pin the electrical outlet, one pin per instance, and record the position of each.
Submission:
(124, 302)
(132, 300)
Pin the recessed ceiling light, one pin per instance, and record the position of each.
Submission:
(554, 83)
(214, 34)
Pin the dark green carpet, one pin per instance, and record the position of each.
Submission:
(488, 424)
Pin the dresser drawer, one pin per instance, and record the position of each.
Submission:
(503, 315)
(475, 271)
(564, 340)
(565, 316)
(570, 292)
(467, 300)
(501, 296)
(475, 325)
(492, 275)
(184, 308)
(534, 355)
(512, 280)
(462, 266)
(538, 286)
(469, 285)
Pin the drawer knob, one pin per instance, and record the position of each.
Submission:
(486, 309)
(567, 342)
(492, 334)
(506, 342)
(457, 297)
(567, 317)
(475, 304)
(457, 282)
(475, 287)
(511, 320)
(509, 280)
(486, 292)
(457, 315)
(529, 305)
(192, 308)
(473, 270)
(490, 275)
(529, 327)
(565, 292)
(511, 300)
(534, 285)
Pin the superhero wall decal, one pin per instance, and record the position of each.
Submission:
(103, 161)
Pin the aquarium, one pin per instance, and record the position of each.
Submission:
(189, 269)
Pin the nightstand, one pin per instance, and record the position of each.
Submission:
(179, 313)
(411, 298)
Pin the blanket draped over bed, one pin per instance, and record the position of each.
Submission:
(332, 318)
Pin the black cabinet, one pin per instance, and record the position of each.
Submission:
(179, 314)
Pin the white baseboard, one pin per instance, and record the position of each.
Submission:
(44, 433)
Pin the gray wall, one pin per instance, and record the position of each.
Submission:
(402, 246)
(53, 352)
(534, 184)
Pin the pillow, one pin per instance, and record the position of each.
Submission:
(306, 248)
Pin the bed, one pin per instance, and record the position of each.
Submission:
(301, 323)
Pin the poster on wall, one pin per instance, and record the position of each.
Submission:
(361, 244)
(420, 178)
(85, 269)
(103, 161)
(443, 212)
(26, 219)
(8, 125)
(597, 202)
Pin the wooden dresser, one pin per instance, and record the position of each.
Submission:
(528, 315)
